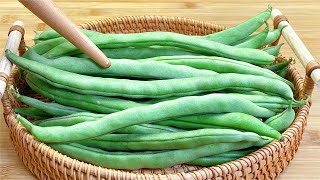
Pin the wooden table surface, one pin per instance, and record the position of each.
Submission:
(304, 16)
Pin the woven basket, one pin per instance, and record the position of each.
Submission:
(46, 163)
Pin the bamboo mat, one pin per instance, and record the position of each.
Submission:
(304, 16)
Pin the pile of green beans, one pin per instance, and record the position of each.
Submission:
(167, 98)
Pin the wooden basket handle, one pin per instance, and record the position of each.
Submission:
(15, 42)
(307, 60)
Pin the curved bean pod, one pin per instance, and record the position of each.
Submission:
(190, 105)
(92, 103)
(82, 117)
(279, 66)
(148, 89)
(120, 68)
(152, 160)
(281, 121)
(239, 121)
(273, 50)
(49, 108)
(195, 44)
(283, 72)
(52, 34)
(256, 40)
(32, 112)
(273, 36)
(228, 36)
(141, 53)
(220, 65)
(241, 31)
(188, 125)
(221, 158)
(169, 141)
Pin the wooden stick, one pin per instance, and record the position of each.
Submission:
(297, 46)
(47, 11)
(5, 65)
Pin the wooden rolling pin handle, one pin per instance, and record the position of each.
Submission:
(16, 33)
(48, 12)
(303, 54)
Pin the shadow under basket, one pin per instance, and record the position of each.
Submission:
(46, 163)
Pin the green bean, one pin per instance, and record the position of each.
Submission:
(239, 121)
(256, 40)
(266, 101)
(92, 103)
(32, 112)
(121, 68)
(50, 108)
(190, 105)
(279, 66)
(241, 31)
(273, 36)
(169, 141)
(281, 121)
(45, 46)
(219, 65)
(146, 39)
(82, 117)
(147, 129)
(149, 89)
(188, 125)
(154, 160)
(221, 158)
(141, 53)
(273, 50)
(225, 37)
(283, 72)
(68, 120)
(52, 34)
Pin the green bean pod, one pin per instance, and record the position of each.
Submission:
(120, 68)
(99, 104)
(45, 46)
(273, 50)
(32, 112)
(82, 117)
(149, 160)
(242, 30)
(53, 109)
(221, 158)
(189, 43)
(188, 125)
(273, 36)
(279, 66)
(262, 100)
(239, 121)
(281, 121)
(52, 34)
(190, 105)
(149, 89)
(256, 40)
(219, 65)
(225, 37)
(169, 141)
(283, 72)
(141, 53)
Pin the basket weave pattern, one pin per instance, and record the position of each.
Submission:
(46, 163)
